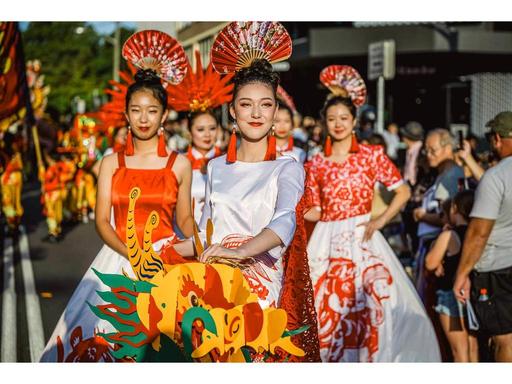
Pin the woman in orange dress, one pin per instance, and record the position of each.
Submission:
(164, 183)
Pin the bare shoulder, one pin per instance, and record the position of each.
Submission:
(181, 166)
(182, 162)
(109, 163)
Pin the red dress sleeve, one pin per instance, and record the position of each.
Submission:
(386, 171)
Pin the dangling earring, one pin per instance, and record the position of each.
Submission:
(231, 156)
(271, 146)
(290, 143)
(354, 145)
(129, 151)
(328, 146)
(161, 151)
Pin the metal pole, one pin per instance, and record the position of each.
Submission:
(380, 105)
(117, 44)
(448, 115)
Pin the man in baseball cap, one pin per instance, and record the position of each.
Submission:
(484, 275)
(501, 125)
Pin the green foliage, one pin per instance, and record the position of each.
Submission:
(73, 64)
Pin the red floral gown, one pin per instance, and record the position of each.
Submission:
(75, 336)
(367, 308)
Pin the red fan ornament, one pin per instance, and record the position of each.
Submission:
(200, 90)
(239, 43)
(343, 80)
(150, 49)
(285, 98)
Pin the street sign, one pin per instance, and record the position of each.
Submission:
(381, 60)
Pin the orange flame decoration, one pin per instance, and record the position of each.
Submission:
(112, 112)
(201, 90)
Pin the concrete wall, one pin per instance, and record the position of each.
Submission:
(485, 41)
(354, 41)
(409, 39)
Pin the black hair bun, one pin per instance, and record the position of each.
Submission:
(260, 70)
(262, 66)
(147, 76)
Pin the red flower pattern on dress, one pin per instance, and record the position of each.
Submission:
(345, 190)
(254, 272)
(350, 299)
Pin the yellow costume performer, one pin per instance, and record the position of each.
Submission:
(12, 184)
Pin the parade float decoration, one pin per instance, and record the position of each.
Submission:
(188, 311)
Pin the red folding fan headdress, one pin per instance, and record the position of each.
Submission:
(343, 80)
(200, 90)
(239, 43)
(286, 99)
(156, 50)
(146, 49)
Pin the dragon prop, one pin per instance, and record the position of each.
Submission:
(188, 312)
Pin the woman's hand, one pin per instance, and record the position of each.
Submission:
(439, 271)
(465, 152)
(418, 214)
(372, 226)
(218, 253)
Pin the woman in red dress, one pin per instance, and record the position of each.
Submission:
(367, 308)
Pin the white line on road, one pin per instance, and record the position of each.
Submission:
(33, 307)
(8, 349)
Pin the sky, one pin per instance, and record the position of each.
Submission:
(102, 27)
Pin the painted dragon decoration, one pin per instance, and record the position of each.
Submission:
(189, 311)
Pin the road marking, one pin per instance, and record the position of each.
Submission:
(8, 349)
(33, 307)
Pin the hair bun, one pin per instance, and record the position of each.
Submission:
(147, 76)
(262, 66)
(260, 70)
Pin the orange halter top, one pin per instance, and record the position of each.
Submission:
(158, 192)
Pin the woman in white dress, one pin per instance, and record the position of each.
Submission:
(251, 199)
(284, 134)
(367, 308)
(203, 130)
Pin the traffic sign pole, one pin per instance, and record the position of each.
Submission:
(381, 66)
(380, 105)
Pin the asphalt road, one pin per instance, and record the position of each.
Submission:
(38, 278)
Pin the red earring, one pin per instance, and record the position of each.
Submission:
(354, 145)
(129, 151)
(271, 147)
(161, 151)
(328, 146)
(231, 156)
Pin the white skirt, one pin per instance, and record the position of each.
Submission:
(367, 308)
(74, 338)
